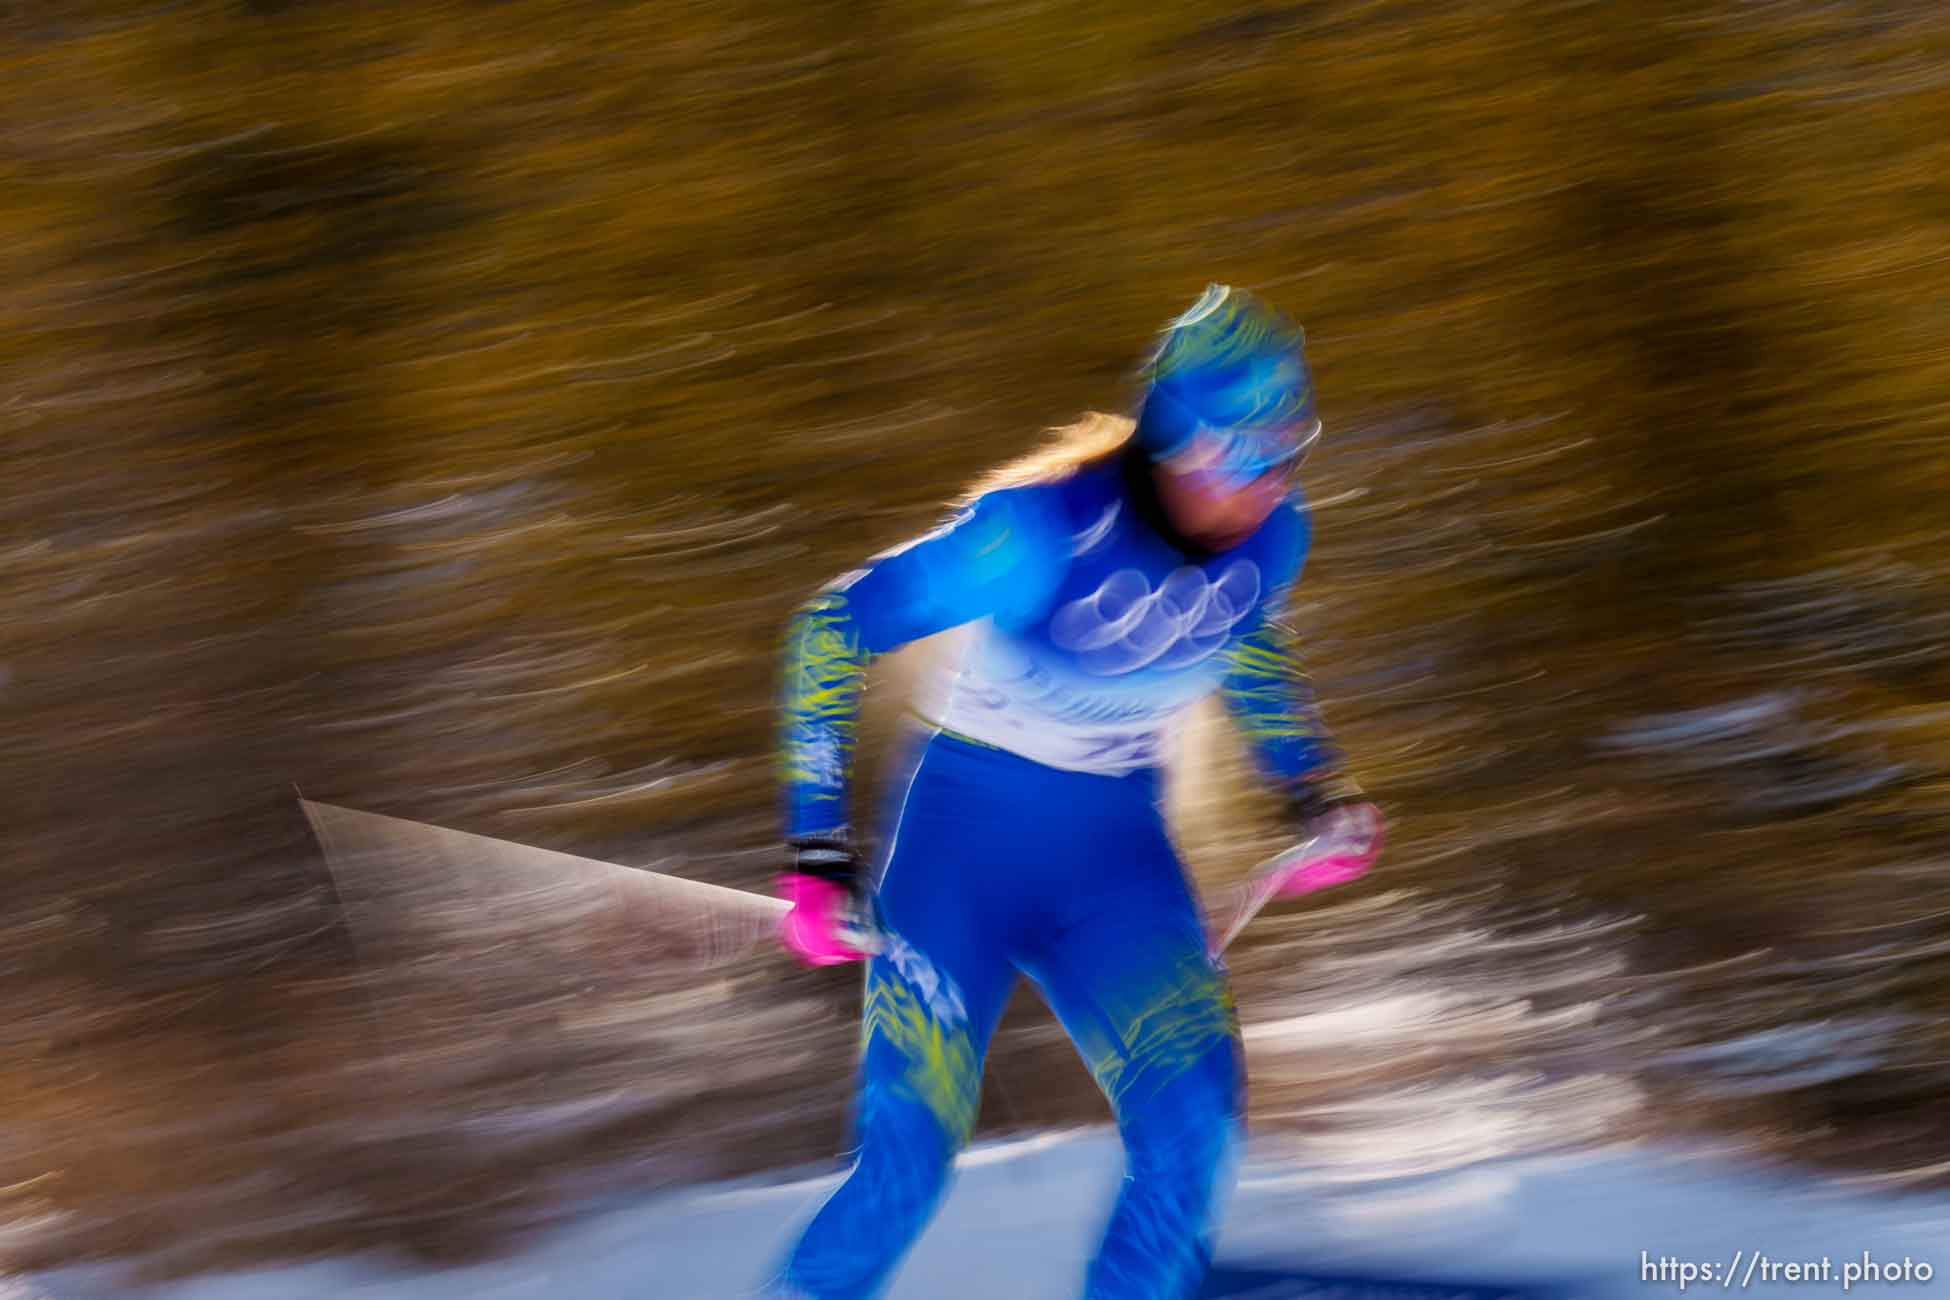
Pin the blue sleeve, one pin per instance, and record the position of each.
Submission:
(1003, 556)
(1265, 687)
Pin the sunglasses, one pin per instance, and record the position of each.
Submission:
(1233, 457)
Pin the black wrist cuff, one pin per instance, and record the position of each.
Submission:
(830, 857)
(1319, 793)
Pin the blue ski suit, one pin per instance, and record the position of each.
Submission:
(1029, 839)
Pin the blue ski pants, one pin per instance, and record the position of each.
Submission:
(999, 866)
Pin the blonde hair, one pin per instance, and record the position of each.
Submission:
(1088, 440)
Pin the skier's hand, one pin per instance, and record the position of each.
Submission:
(831, 920)
(1341, 836)
(1337, 843)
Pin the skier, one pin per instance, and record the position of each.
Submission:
(1117, 579)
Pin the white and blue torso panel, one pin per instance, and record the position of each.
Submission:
(1089, 673)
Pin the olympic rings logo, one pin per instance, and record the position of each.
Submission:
(1125, 625)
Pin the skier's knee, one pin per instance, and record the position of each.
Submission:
(1188, 1126)
(904, 1165)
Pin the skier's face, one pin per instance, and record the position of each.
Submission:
(1218, 513)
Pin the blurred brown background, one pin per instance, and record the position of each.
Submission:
(438, 407)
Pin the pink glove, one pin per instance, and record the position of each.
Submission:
(1341, 844)
(826, 925)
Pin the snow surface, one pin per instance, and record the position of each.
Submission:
(1022, 1216)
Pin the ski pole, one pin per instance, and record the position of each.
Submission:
(1260, 887)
